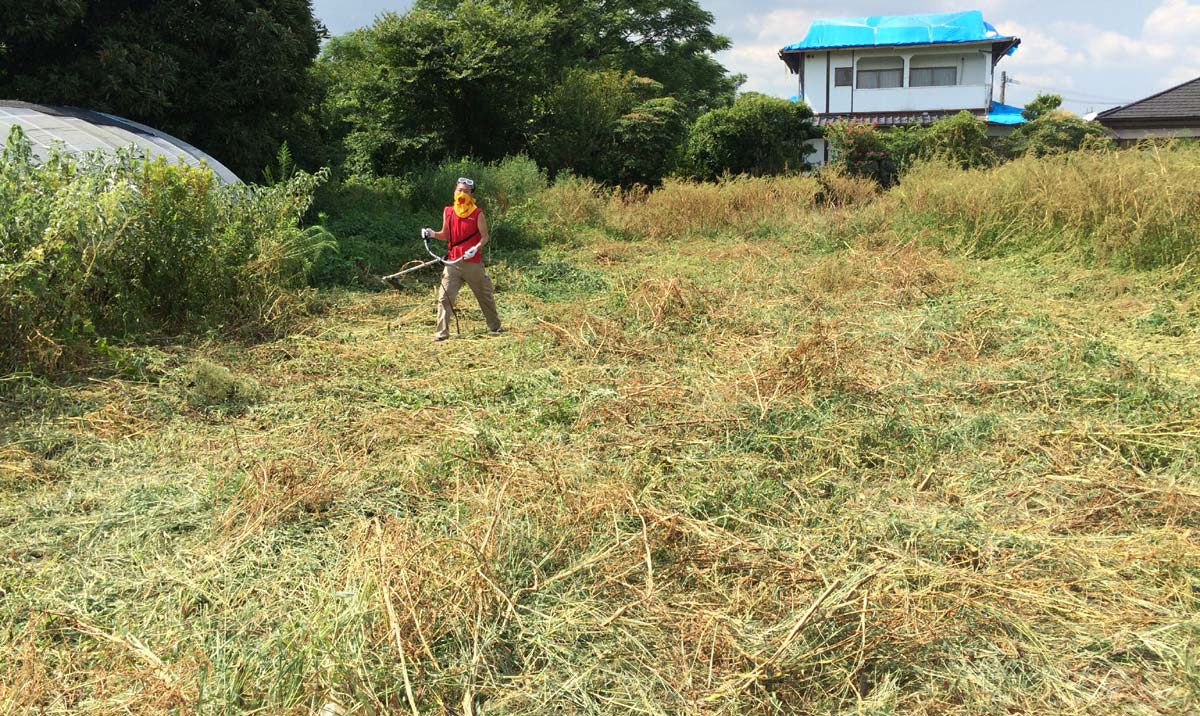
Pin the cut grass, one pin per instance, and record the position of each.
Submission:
(714, 476)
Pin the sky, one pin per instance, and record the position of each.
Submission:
(1096, 54)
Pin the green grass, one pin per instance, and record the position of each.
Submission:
(720, 475)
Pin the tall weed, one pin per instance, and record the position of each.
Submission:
(1136, 209)
(680, 208)
(500, 186)
(115, 246)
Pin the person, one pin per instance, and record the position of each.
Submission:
(465, 230)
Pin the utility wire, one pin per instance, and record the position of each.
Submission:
(1074, 96)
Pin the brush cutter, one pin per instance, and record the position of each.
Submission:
(393, 280)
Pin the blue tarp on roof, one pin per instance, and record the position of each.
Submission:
(1005, 114)
(887, 31)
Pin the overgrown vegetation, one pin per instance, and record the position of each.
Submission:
(962, 140)
(106, 248)
(757, 135)
(1138, 209)
(745, 449)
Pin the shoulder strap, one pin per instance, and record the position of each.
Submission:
(454, 217)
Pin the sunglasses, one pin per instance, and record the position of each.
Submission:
(468, 182)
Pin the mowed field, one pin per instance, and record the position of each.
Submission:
(749, 472)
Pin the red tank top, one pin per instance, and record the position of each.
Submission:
(464, 233)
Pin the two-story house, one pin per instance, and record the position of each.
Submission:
(900, 70)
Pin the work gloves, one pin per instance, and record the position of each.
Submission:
(427, 233)
(470, 253)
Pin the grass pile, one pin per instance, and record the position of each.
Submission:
(730, 473)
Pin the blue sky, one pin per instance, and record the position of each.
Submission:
(1096, 54)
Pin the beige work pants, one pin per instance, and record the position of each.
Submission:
(474, 276)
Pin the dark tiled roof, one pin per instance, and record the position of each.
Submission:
(890, 119)
(1181, 102)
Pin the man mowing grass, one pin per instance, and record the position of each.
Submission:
(465, 229)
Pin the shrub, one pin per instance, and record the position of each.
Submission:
(114, 246)
(1058, 132)
(758, 135)
(864, 151)
(860, 150)
(961, 140)
(906, 145)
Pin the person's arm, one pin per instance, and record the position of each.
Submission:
(484, 237)
(442, 235)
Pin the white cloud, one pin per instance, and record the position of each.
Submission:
(764, 70)
(1107, 48)
(1039, 48)
(784, 27)
(1174, 19)
(759, 59)
(1180, 74)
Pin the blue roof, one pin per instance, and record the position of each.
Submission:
(888, 31)
(1005, 114)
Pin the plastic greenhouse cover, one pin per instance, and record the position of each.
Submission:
(887, 31)
(79, 131)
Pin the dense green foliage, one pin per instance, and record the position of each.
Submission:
(863, 151)
(109, 247)
(670, 41)
(579, 119)
(1055, 132)
(229, 76)
(757, 135)
(1040, 105)
(377, 220)
(962, 140)
(455, 78)
(420, 87)
(646, 143)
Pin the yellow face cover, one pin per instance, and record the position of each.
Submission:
(464, 204)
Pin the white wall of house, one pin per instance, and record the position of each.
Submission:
(1135, 135)
(970, 65)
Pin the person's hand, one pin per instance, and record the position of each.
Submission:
(470, 253)
(427, 233)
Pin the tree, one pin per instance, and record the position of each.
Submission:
(757, 135)
(226, 75)
(671, 41)
(579, 119)
(1042, 104)
(646, 142)
(425, 85)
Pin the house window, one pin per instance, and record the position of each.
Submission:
(933, 77)
(843, 76)
(880, 79)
